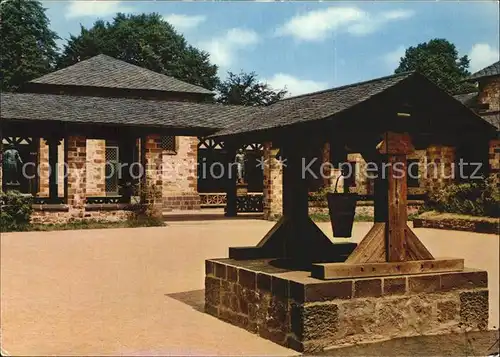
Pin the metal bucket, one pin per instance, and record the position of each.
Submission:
(342, 207)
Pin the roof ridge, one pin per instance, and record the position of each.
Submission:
(349, 85)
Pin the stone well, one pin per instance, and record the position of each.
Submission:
(291, 308)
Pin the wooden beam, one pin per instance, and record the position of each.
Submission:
(371, 248)
(396, 146)
(345, 270)
(230, 177)
(415, 249)
(397, 205)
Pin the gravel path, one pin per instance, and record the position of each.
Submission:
(138, 291)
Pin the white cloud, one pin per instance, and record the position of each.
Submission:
(482, 55)
(184, 22)
(78, 8)
(392, 58)
(223, 49)
(294, 86)
(317, 25)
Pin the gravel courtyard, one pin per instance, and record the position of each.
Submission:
(138, 291)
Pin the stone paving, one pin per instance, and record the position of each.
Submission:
(138, 291)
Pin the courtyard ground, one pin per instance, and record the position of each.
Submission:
(138, 291)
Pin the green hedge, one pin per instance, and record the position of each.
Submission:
(15, 211)
(476, 198)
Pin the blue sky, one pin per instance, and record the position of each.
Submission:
(307, 46)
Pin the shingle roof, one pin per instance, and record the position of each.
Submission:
(120, 111)
(491, 70)
(467, 99)
(104, 71)
(313, 106)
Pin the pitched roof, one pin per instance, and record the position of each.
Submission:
(467, 99)
(118, 111)
(313, 106)
(491, 70)
(109, 72)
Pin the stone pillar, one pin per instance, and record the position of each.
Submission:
(440, 167)
(77, 176)
(180, 175)
(153, 183)
(273, 183)
(494, 160)
(96, 161)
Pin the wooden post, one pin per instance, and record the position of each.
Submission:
(396, 146)
(53, 144)
(390, 239)
(230, 175)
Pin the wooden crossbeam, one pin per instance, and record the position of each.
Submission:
(346, 270)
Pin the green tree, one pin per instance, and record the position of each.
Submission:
(28, 47)
(245, 89)
(147, 41)
(439, 61)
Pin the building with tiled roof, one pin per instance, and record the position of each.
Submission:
(103, 75)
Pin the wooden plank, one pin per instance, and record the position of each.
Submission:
(397, 208)
(344, 270)
(371, 248)
(415, 249)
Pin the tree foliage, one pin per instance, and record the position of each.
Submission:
(439, 61)
(28, 47)
(245, 89)
(147, 41)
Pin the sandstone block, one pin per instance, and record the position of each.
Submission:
(314, 321)
(368, 288)
(474, 309)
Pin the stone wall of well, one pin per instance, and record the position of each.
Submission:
(311, 315)
(96, 160)
(273, 183)
(180, 173)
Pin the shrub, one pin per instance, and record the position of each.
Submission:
(318, 198)
(146, 213)
(15, 211)
(477, 198)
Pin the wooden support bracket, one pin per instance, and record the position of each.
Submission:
(346, 270)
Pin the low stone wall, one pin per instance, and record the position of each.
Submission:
(310, 315)
(364, 208)
(65, 215)
(459, 225)
(186, 201)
